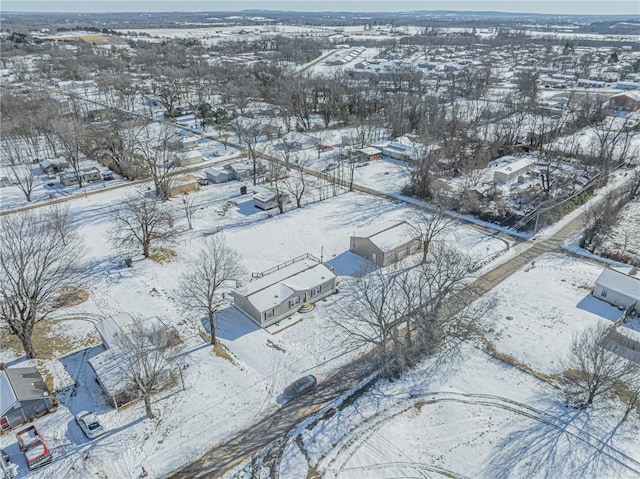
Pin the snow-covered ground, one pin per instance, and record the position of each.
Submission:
(473, 416)
(219, 396)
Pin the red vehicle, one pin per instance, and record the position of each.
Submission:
(33, 447)
(325, 147)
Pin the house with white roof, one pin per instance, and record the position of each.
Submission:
(618, 289)
(512, 171)
(387, 246)
(279, 292)
(111, 365)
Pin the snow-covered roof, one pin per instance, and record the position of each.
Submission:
(110, 328)
(393, 236)
(517, 165)
(271, 289)
(619, 282)
(633, 94)
(370, 151)
(7, 396)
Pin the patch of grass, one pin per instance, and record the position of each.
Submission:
(512, 361)
(206, 336)
(222, 352)
(71, 297)
(48, 341)
(162, 255)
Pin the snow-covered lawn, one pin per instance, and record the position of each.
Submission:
(473, 416)
(450, 420)
(219, 396)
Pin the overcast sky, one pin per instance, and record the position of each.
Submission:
(590, 7)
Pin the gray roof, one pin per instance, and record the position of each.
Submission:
(20, 384)
(620, 283)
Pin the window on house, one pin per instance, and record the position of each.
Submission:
(603, 293)
(316, 290)
(294, 301)
(268, 314)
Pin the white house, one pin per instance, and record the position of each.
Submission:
(618, 289)
(512, 171)
(279, 292)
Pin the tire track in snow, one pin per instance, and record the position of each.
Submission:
(357, 437)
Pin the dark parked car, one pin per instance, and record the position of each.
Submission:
(300, 387)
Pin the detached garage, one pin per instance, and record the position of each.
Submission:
(618, 289)
(23, 395)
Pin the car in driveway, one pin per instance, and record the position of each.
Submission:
(88, 422)
(300, 387)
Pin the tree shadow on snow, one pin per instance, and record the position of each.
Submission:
(562, 444)
(231, 324)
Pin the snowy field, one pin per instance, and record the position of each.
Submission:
(473, 416)
(219, 396)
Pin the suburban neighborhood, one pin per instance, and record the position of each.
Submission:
(292, 244)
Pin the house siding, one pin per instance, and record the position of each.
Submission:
(284, 309)
(365, 248)
(615, 298)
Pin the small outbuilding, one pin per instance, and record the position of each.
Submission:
(369, 153)
(268, 199)
(618, 289)
(23, 395)
(387, 246)
(280, 291)
(183, 185)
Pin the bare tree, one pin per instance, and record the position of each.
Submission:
(250, 135)
(202, 285)
(143, 360)
(71, 133)
(296, 182)
(190, 206)
(142, 221)
(370, 317)
(15, 151)
(596, 366)
(428, 226)
(160, 155)
(39, 267)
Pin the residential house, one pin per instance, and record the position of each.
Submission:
(628, 101)
(279, 292)
(110, 366)
(618, 289)
(23, 395)
(184, 141)
(190, 157)
(53, 166)
(387, 246)
(88, 175)
(399, 150)
(511, 172)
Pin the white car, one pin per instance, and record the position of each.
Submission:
(88, 422)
